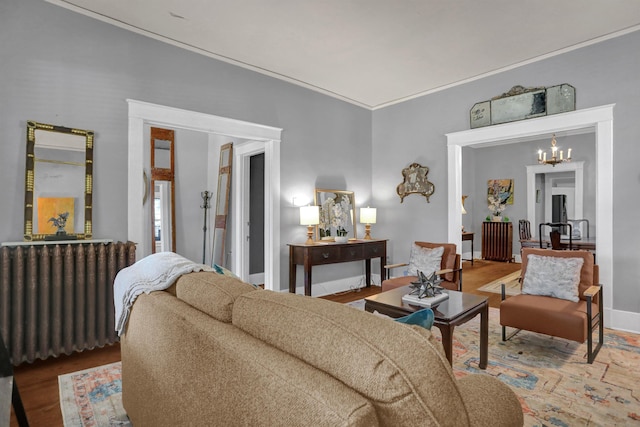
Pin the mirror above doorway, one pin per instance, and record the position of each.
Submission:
(163, 211)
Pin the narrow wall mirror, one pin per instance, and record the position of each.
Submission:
(58, 183)
(337, 214)
(222, 204)
(163, 210)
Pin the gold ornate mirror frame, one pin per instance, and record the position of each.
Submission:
(58, 183)
(415, 182)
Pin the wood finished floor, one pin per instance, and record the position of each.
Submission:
(38, 381)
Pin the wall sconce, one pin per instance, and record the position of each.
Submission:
(309, 216)
(367, 217)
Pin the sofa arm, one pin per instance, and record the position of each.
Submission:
(490, 402)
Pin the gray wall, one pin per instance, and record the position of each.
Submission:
(63, 68)
(605, 73)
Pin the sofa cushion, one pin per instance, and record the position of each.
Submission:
(423, 259)
(212, 293)
(182, 367)
(562, 318)
(370, 354)
(556, 277)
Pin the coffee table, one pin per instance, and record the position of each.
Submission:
(459, 308)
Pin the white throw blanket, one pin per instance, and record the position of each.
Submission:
(153, 273)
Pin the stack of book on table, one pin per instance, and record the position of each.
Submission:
(426, 301)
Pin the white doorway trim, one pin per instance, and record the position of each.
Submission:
(141, 113)
(598, 120)
(532, 170)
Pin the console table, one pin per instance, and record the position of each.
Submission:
(321, 253)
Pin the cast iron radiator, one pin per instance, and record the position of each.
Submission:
(58, 298)
(497, 241)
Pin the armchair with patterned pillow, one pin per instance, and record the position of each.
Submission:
(428, 257)
(561, 296)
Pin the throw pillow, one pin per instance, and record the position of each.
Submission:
(225, 272)
(552, 276)
(422, 318)
(424, 259)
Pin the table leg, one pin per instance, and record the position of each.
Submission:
(292, 272)
(447, 341)
(367, 269)
(484, 336)
(307, 279)
(472, 251)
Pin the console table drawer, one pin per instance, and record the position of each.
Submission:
(373, 250)
(352, 253)
(325, 255)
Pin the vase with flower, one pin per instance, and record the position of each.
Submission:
(496, 206)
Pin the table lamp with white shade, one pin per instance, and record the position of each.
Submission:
(367, 217)
(309, 216)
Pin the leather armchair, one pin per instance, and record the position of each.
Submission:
(450, 269)
(561, 318)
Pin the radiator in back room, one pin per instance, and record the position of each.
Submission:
(58, 298)
(497, 241)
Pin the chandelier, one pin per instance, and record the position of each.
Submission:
(556, 156)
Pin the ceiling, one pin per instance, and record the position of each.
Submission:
(372, 53)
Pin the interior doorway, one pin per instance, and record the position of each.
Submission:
(267, 138)
(251, 252)
(596, 120)
(256, 219)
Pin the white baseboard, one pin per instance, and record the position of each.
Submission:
(622, 320)
(340, 285)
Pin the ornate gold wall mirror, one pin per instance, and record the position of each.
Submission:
(58, 183)
(337, 214)
(163, 209)
(222, 203)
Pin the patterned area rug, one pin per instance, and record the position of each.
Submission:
(93, 397)
(555, 384)
(510, 280)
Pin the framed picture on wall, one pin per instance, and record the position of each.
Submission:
(501, 188)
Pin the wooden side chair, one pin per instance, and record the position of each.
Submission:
(524, 230)
(450, 269)
(554, 234)
(570, 307)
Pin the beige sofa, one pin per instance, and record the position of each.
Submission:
(214, 351)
